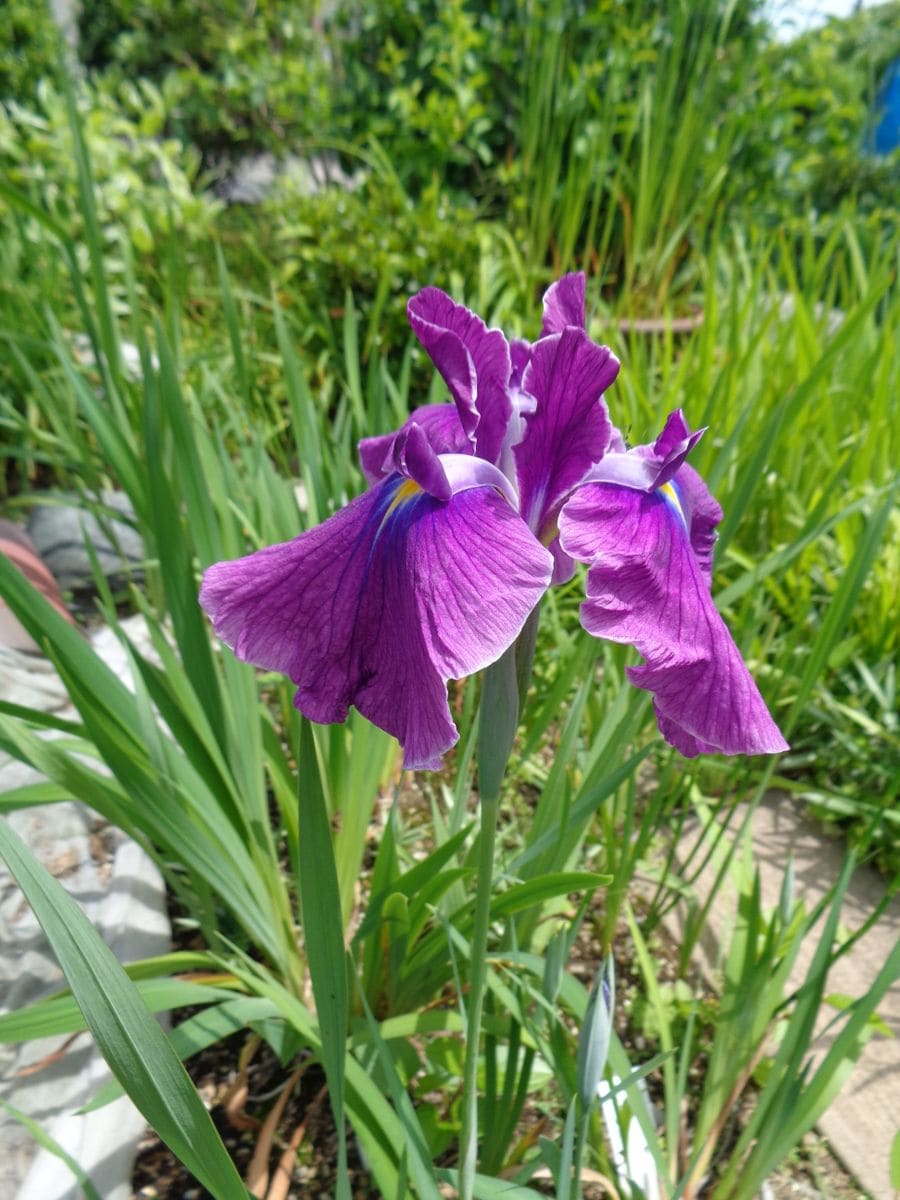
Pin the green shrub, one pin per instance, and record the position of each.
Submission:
(430, 81)
(144, 182)
(28, 37)
(235, 75)
(377, 241)
(811, 117)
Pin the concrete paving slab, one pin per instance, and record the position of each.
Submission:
(861, 1123)
(123, 894)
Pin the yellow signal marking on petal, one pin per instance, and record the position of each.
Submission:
(670, 494)
(407, 489)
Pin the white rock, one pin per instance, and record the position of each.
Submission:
(123, 894)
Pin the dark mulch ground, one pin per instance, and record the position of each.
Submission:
(303, 1150)
(812, 1173)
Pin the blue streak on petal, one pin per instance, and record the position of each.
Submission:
(395, 511)
(390, 518)
(670, 494)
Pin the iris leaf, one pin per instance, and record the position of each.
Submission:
(324, 931)
(126, 1033)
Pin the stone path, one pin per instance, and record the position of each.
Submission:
(123, 894)
(861, 1123)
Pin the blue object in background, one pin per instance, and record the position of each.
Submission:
(886, 135)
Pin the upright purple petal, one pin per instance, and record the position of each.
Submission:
(648, 467)
(464, 471)
(383, 603)
(474, 362)
(414, 458)
(563, 564)
(569, 429)
(519, 358)
(564, 304)
(672, 446)
(645, 587)
(441, 425)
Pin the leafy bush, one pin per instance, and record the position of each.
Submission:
(378, 242)
(148, 200)
(430, 81)
(235, 76)
(813, 113)
(29, 39)
(144, 181)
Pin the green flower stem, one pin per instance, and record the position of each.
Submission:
(497, 729)
(477, 978)
(580, 1141)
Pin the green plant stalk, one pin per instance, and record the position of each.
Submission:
(323, 932)
(483, 888)
(497, 729)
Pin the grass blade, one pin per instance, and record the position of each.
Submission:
(44, 1139)
(323, 927)
(129, 1038)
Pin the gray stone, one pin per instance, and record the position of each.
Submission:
(315, 173)
(249, 180)
(129, 358)
(62, 531)
(123, 894)
(30, 680)
(862, 1121)
(254, 177)
(786, 307)
(120, 890)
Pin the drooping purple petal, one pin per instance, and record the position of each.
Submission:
(564, 304)
(569, 429)
(647, 468)
(702, 513)
(563, 564)
(442, 428)
(474, 362)
(383, 603)
(645, 587)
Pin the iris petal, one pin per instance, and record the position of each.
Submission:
(564, 304)
(672, 446)
(415, 458)
(661, 464)
(383, 603)
(646, 587)
(651, 466)
(474, 362)
(519, 357)
(439, 422)
(569, 429)
(703, 514)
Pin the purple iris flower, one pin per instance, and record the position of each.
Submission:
(474, 508)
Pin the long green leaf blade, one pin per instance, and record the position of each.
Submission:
(129, 1038)
(323, 927)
